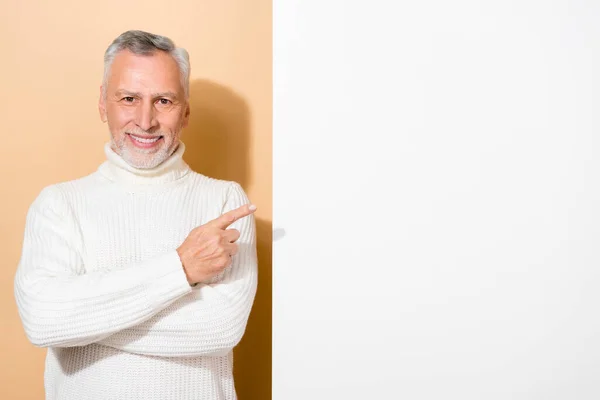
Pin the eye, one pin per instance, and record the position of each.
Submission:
(164, 102)
(128, 99)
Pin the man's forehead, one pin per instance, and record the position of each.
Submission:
(158, 70)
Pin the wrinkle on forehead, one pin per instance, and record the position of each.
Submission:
(147, 74)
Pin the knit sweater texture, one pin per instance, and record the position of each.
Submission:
(100, 284)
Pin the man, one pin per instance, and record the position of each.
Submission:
(139, 278)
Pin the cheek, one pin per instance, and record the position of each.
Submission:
(118, 118)
(171, 123)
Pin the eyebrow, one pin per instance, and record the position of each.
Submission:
(122, 92)
(171, 95)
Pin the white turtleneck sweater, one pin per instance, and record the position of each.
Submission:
(101, 285)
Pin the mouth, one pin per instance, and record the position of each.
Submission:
(143, 139)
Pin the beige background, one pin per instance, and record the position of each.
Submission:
(50, 74)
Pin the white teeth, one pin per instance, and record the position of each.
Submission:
(142, 140)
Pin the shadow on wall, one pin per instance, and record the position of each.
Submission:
(217, 145)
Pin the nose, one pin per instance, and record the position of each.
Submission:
(146, 116)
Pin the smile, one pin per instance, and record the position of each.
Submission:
(144, 140)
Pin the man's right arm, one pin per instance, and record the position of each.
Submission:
(62, 306)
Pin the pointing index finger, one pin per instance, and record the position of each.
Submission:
(230, 217)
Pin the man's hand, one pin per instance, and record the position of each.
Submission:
(208, 249)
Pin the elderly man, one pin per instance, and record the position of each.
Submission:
(139, 278)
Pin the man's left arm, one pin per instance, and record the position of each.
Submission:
(212, 319)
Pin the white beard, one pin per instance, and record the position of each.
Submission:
(142, 158)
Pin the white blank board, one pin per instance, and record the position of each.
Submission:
(436, 200)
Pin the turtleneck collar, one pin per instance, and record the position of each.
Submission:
(116, 169)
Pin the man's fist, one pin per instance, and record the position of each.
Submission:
(208, 249)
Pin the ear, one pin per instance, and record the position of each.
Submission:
(186, 117)
(102, 105)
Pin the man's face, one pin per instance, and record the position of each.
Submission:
(145, 107)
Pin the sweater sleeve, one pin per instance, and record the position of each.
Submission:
(212, 319)
(61, 305)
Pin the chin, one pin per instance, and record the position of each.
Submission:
(144, 158)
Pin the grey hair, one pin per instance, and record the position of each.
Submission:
(144, 43)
